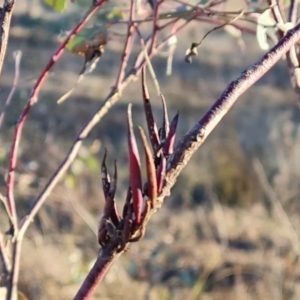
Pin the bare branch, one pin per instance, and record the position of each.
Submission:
(198, 134)
(17, 56)
(5, 18)
(4, 256)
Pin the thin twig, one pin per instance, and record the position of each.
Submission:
(17, 57)
(4, 256)
(127, 48)
(12, 289)
(281, 214)
(292, 16)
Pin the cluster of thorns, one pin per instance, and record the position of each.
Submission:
(118, 231)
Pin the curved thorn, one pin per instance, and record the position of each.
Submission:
(165, 125)
(170, 140)
(105, 176)
(150, 167)
(127, 202)
(152, 127)
(126, 232)
(134, 170)
(114, 216)
(102, 231)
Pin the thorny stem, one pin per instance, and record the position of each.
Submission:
(188, 145)
(111, 99)
(197, 135)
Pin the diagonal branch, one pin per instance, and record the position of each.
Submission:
(17, 57)
(198, 134)
(105, 259)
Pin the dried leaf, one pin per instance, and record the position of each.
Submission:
(89, 40)
(265, 26)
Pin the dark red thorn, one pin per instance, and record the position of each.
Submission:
(114, 216)
(134, 170)
(127, 202)
(168, 146)
(165, 125)
(152, 127)
(126, 232)
(102, 231)
(105, 176)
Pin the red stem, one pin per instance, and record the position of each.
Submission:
(32, 100)
(127, 48)
(96, 274)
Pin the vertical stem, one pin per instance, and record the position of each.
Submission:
(12, 291)
(292, 16)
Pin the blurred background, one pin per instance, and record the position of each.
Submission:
(231, 227)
